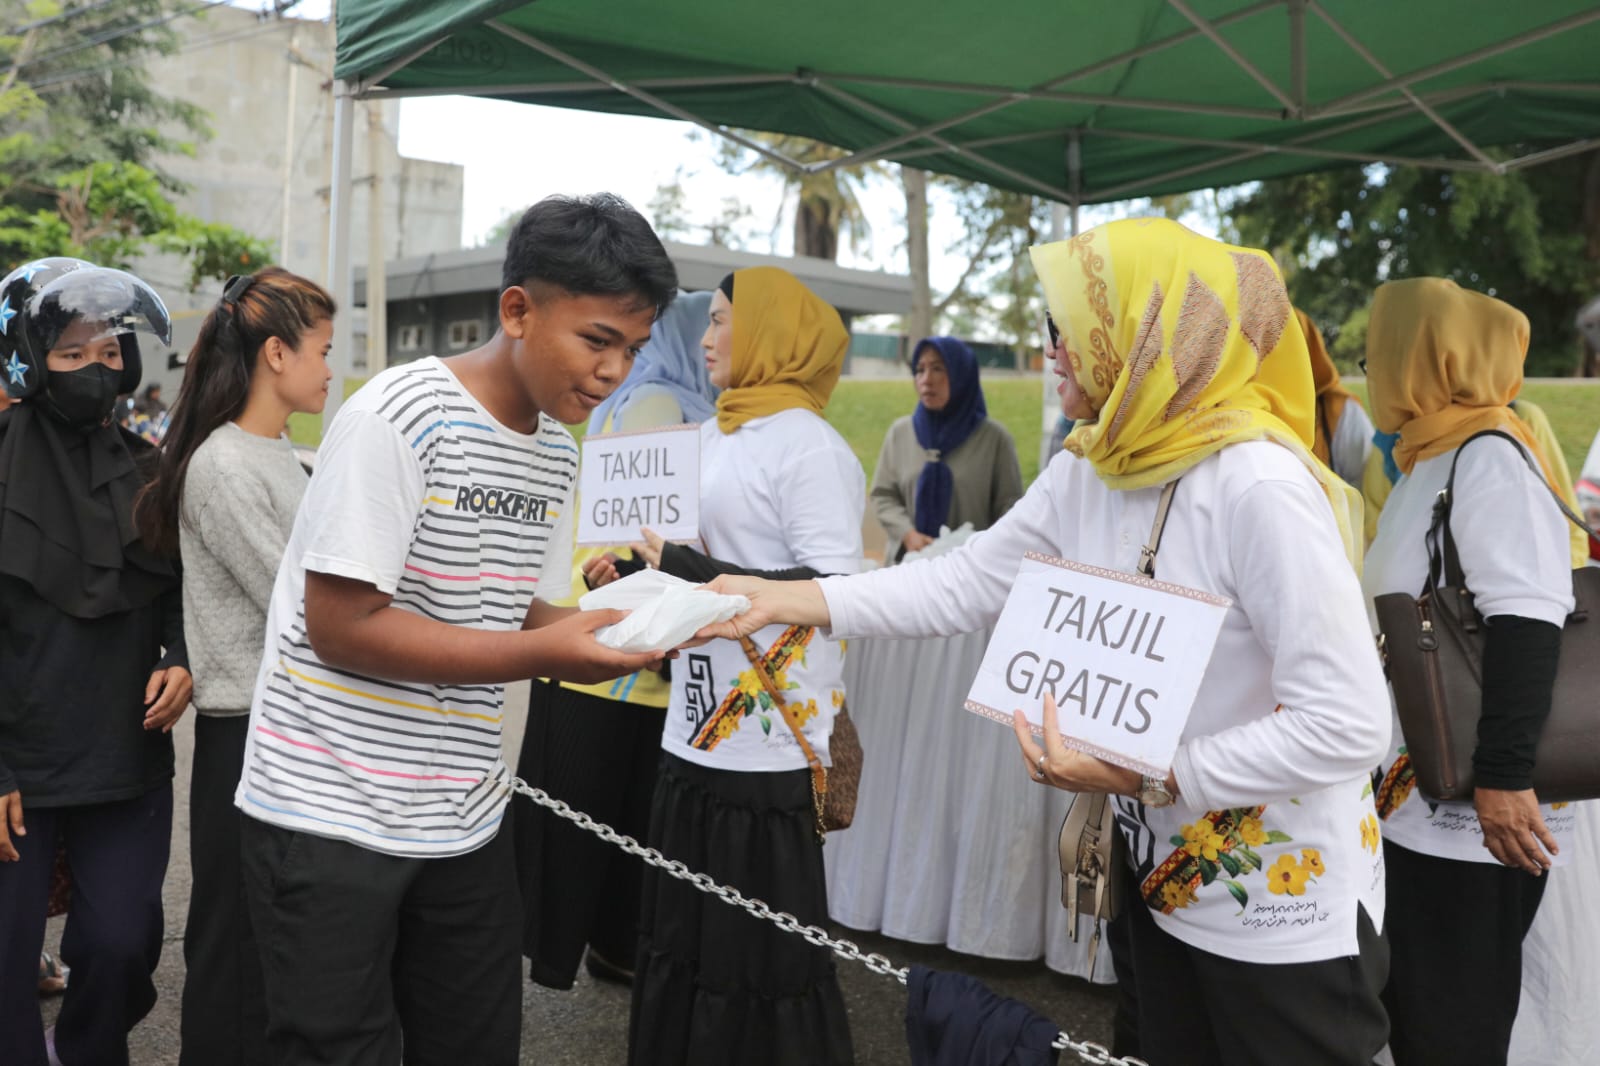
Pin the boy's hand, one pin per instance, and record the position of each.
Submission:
(174, 686)
(574, 654)
(10, 824)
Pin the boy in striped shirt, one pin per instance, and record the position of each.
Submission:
(379, 872)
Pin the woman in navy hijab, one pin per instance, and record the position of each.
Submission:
(947, 462)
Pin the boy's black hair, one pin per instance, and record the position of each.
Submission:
(595, 245)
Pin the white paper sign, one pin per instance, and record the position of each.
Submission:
(1123, 655)
(631, 481)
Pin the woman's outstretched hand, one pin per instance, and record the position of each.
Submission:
(783, 602)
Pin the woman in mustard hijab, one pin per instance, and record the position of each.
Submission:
(1466, 879)
(1183, 361)
(781, 494)
(1343, 430)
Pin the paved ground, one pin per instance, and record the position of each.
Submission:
(589, 1024)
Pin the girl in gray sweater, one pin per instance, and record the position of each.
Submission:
(226, 494)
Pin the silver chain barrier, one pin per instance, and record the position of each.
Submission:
(1087, 1051)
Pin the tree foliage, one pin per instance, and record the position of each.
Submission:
(83, 134)
(1530, 237)
(826, 203)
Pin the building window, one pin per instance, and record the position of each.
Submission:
(464, 334)
(413, 338)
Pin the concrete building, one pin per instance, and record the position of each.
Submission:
(267, 86)
(447, 302)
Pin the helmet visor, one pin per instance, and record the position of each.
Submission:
(109, 302)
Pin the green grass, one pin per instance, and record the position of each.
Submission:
(1572, 406)
(863, 410)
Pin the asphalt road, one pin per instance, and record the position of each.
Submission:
(588, 1025)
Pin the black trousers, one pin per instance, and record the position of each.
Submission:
(1200, 1009)
(600, 756)
(372, 960)
(1456, 929)
(224, 1019)
(118, 856)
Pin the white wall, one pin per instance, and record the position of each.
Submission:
(266, 158)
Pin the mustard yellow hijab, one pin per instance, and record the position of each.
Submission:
(1184, 345)
(1442, 364)
(1331, 393)
(788, 348)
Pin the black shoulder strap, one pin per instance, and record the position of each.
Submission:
(1147, 557)
(1443, 560)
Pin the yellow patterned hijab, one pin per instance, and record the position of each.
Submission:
(1443, 363)
(1184, 345)
(788, 348)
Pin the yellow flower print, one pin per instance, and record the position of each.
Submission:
(1557, 806)
(1312, 858)
(804, 712)
(1370, 834)
(750, 684)
(1287, 876)
(1177, 894)
(1252, 832)
(1202, 840)
(838, 699)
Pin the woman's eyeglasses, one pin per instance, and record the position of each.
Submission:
(1053, 334)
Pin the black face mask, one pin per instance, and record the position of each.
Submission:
(82, 399)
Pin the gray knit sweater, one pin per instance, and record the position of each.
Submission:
(239, 503)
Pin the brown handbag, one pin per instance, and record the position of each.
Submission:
(833, 791)
(1093, 852)
(1432, 647)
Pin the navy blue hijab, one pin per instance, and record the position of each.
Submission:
(942, 432)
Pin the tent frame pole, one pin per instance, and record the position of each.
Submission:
(1234, 54)
(941, 144)
(1405, 90)
(341, 283)
(556, 88)
(1075, 177)
(1550, 155)
(529, 41)
(1297, 56)
(1292, 149)
(1043, 90)
(1448, 65)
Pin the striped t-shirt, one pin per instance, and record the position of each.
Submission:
(422, 494)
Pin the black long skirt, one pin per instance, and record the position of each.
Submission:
(714, 984)
(600, 756)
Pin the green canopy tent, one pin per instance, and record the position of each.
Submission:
(1077, 102)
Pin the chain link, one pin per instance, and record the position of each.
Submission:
(1086, 1051)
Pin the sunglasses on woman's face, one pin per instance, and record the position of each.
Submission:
(1052, 332)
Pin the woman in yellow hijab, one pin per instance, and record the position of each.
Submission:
(1443, 363)
(1183, 359)
(781, 494)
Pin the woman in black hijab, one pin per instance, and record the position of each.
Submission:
(93, 671)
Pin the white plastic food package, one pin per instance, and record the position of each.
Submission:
(947, 540)
(666, 610)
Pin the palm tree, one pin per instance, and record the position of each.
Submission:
(827, 203)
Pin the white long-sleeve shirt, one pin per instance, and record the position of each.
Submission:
(1291, 714)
